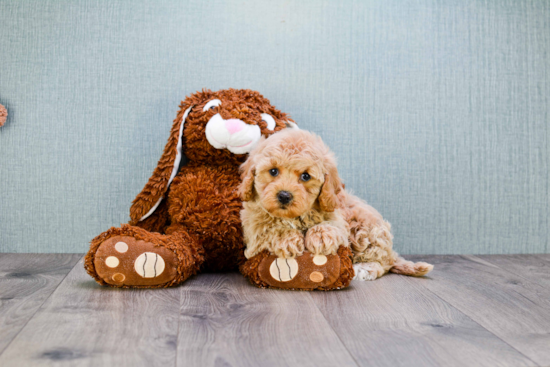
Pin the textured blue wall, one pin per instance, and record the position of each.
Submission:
(437, 110)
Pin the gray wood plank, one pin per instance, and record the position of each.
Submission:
(84, 324)
(515, 310)
(394, 321)
(26, 281)
(535, 268)
(225, 321)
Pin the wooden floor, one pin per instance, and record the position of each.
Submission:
(471, 311)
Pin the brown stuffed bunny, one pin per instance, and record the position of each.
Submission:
(186, 219)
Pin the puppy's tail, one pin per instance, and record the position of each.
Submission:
(405, 267)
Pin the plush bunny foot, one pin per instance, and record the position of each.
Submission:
(131, 257)
(124, 260)
(304, 272)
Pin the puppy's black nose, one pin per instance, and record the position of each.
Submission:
(284, 197)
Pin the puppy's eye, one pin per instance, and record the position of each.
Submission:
(269, 120)
(274, 172)
(305, 176)
(211, 105)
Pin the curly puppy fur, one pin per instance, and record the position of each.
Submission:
(320, 216)
(198, 218)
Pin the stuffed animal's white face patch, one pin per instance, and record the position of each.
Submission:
(234, 135)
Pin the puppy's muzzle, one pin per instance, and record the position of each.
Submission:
(284, 197)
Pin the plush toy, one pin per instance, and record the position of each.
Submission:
(3, 115)
(187, 217)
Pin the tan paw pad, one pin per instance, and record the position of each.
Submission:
(112, 261)
(118, 277)
(320, 260)
(283, 270)
(121, 247)
(316, 277)
(149, 265)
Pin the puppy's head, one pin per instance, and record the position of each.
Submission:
(290, 173)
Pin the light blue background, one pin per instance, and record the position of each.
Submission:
(437, 110)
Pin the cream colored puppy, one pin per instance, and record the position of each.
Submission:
(294, 200)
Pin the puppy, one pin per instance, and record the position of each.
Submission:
(294, 200)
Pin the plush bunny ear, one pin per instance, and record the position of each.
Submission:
(152, 194)
(291, 125)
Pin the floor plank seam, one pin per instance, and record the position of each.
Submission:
(39, 308)
(335, 332)
(518, 274)
(529, 281)
(481, 326)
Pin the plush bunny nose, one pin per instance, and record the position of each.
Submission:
(234, 125)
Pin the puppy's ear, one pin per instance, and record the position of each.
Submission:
(246, 189)
(248, 171)
(328, 199)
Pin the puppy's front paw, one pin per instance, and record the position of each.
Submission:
(367, 271)
(324, 240)
(291, 245)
